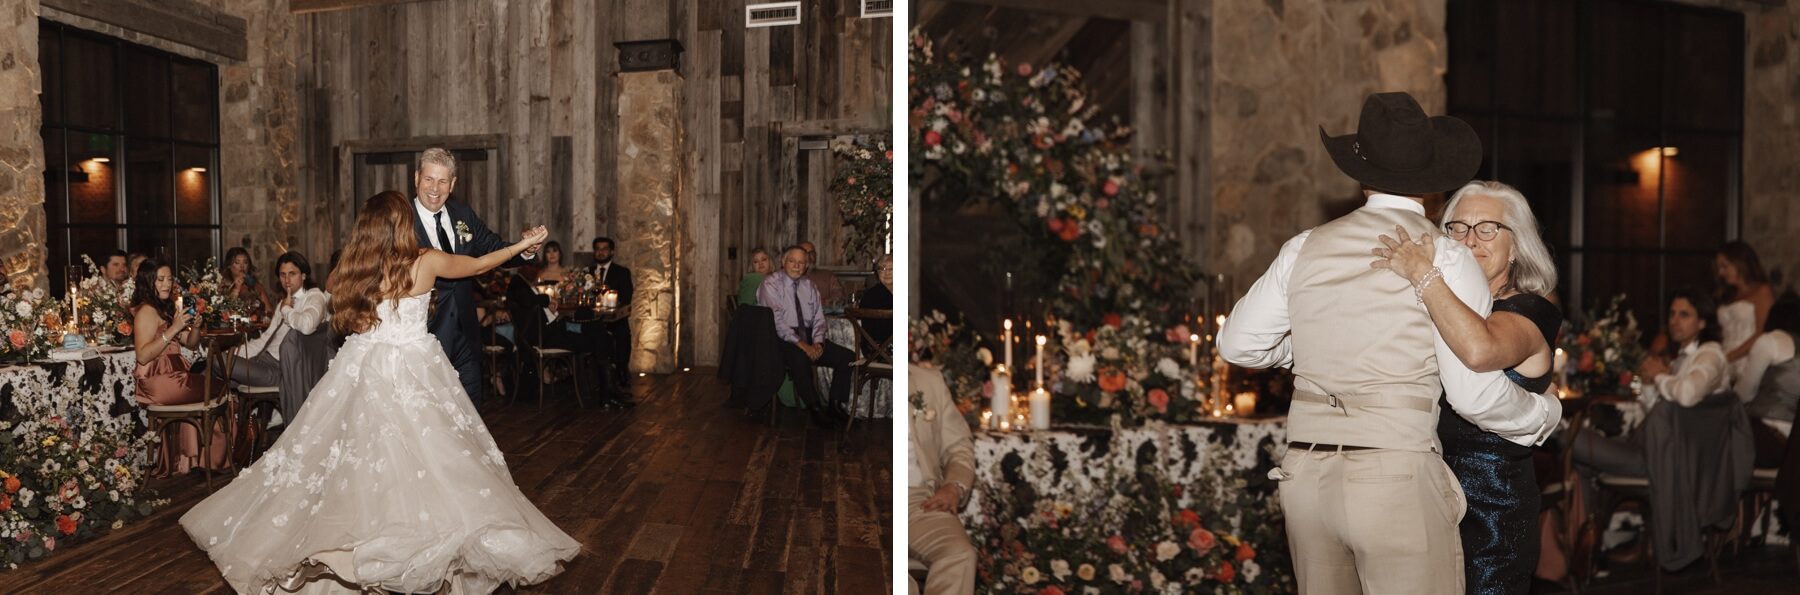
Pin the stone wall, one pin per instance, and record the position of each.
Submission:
(1282, 69)
(258, 202)
(646, 228)
(1771, 215)
(21, 147)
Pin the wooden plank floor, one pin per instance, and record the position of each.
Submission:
(681, 495)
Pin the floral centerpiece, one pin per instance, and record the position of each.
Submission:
(1603, 356)
(210, 296)
(69, 471)
(1023, 140)
(580, 286)
(31, 324)
(104, 307)
(864, 187)
(955, 349)
(1151, 533)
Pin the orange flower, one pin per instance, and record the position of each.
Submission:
(17, 338)
(1202, 540)
(1112, 381)
(125, 327)
(12, 484)
(1244, 552)
(1226, 572)
(1189, 518)
(1159, 399)
(5, 503)
(65, 524)
(1069, 232)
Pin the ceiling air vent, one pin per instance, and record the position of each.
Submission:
(875, 9)
(773, 14)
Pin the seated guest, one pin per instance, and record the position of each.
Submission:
(552, 269)
(302, 309)
(163, 376)
(831, 290)
(800, 322)
(132, 261)
(616, 277)
(1754, 350)
(760, 267)
(942, 459)
(880, 296)
(117, 268)
(240, 280)
(1703, 417)
(536, 323)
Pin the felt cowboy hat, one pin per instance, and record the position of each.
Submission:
(1397, 148)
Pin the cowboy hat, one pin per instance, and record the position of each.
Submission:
(1397, 148)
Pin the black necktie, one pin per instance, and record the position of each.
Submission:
(602, 274)
(443, 237)
(800, 316)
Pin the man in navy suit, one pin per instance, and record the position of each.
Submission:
(453, 227)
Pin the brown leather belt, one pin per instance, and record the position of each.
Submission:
(1326, 447)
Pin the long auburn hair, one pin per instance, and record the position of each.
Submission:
(381, 252)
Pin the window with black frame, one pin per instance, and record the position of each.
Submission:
(1621, 121)
(131, 150)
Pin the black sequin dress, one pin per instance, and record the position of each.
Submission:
(1500, 530)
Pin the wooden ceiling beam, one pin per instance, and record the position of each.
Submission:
(1154, 11)
(184, 22)
(311, 6)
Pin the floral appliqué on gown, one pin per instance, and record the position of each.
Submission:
(385, 480)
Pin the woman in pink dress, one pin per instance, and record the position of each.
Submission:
(162, 373)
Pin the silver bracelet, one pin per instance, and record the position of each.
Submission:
(1431, 275)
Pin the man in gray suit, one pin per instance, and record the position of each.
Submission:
(941, 464)
(1371, 507)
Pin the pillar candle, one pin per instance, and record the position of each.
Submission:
(1040, 409)
(1000, 400)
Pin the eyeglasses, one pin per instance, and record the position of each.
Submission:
(1486, 230)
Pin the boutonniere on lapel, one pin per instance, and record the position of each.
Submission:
(463, 235)
(919, 408)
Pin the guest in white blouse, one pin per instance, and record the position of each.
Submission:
(302, 311)
(1695, 371)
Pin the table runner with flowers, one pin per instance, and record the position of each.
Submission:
(1160, 508)
(75, 454)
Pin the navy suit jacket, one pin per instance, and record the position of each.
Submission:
(454, 322)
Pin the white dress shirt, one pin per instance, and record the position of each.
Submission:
(1256, 335)
(1697, 372)
(429, 217)
(304, 315)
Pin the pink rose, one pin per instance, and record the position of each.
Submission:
(1117, 543)
(1025, 69)
(1159, 399)
(1202, 540)
(50, 543)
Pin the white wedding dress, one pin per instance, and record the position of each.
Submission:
(385, 480)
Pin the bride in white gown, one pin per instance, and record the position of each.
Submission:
(386, 479)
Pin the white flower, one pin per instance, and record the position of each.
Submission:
(23, 308)
(1060, 569)
(1195, 575)
(1165, 552)
(1118, 574)
(986, 357)
(1156, 577)
(1081, 368)
(1109, 353)
(1030, 575)
(1250, 570)
(1168, 367)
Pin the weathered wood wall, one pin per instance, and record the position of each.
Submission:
(541, 75)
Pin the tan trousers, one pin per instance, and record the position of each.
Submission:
(1381, 522)
(939, 540)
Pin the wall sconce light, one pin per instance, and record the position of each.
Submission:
(1670, 151)
(101, 160)
(198, 170)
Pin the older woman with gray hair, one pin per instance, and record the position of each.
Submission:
(1500, 531)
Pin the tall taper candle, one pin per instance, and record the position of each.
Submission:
(1007, 342)
(1040, 360)
(1194, 352)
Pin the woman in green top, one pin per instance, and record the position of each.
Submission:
(760, 266)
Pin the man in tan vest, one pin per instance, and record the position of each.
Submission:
(1370, 505)
(941, 458)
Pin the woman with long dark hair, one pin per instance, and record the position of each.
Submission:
(239, 275)
(163, 377)
(387, 479)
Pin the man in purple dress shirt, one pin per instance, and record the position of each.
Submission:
(800, 322)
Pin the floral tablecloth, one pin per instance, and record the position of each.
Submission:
(73, 453)
(1160, 508)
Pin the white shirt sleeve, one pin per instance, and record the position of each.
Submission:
(1487, 399)
(308, 312)
(1696, 379)
(1258, 332)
